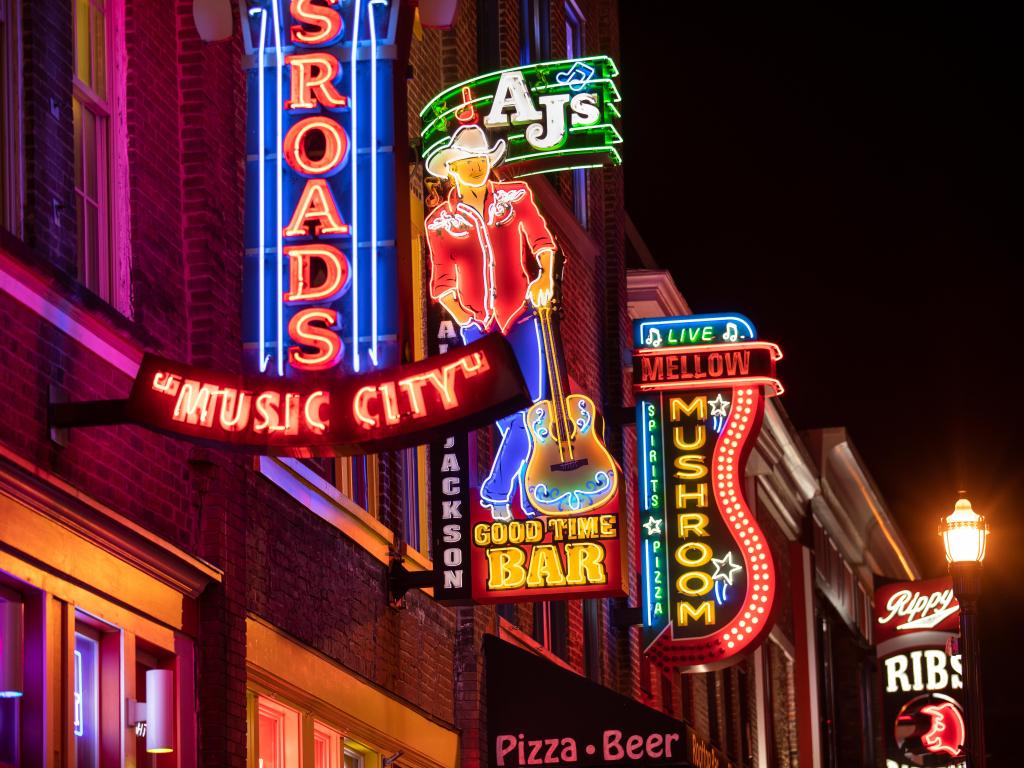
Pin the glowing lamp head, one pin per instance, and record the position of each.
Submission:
(964, 534)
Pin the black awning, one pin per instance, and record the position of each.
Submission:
(541, 714)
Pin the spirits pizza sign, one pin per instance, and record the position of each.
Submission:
(709, 580)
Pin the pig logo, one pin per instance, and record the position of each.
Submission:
(947, 729)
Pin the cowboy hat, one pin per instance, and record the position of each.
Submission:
(468, 141)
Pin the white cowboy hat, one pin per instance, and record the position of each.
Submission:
(468, 141)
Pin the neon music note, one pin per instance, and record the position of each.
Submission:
(731, 332)
(576, 76)
(653, 338)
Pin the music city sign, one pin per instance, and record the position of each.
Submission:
(708, 577)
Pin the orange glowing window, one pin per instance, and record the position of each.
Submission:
(278, 735)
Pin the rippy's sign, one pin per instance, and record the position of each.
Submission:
(708, 578)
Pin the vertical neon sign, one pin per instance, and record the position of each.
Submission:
(320, 262)
(709, 580)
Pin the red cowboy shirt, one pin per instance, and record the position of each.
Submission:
(483, 258)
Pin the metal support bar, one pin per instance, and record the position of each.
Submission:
(90, 413)
(401, 581)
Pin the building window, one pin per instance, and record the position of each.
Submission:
(488, 43)
(11, 159)
(358, 477)
(277, 735)
(100, 150)
(414, 474)
(279, 728)
(534, 31)
(574, 50)
(551, 627)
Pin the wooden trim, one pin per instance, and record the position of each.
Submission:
(49, 496)
(327, 502)
(279, 666)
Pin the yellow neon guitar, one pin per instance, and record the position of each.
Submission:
(569, 470)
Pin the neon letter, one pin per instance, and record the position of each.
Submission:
(234, 409)
(300, 286)
(325, 19)
(316, 203)
(335, 146)
(512, 92)
(685, 612)
(194, 401)
(326, 341)
(361, 409)
(312, 411)
(267, 417)
(313, 76)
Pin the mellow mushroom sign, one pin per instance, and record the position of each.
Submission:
(708, 578)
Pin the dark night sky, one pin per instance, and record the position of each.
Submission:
(849, 180)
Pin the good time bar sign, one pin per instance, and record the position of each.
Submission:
(708, 577)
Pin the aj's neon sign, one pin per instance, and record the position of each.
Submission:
(709, 579)
(320, 238)
(554, 115)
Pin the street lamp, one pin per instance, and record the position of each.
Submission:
(964, 534)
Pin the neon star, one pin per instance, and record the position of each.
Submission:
(653, 526)
(725, 568)
(719, 406)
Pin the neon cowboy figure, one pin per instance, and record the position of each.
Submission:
(480, 242)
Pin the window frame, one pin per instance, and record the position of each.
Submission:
(534, 31)
(575, 26)
(12, 149)
(112, 261)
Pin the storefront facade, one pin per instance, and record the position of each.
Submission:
(266, 585)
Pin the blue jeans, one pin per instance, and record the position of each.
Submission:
(510, 459)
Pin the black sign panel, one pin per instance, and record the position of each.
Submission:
(923, 708)
(449, 485)
(541, 714)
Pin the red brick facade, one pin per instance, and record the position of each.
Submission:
(279, 563)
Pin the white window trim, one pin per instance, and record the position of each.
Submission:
(327, 502)
(116, 176)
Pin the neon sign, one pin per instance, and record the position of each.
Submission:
(320, 267)
(392, 408)
(553, 116)
(916, 606)
(922, 691)
(708, 577)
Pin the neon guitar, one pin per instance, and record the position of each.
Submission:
(569, 470)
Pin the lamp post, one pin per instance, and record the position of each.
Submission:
(964, 534)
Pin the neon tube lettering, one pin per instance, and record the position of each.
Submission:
(301, 328)
(317, 205)
(325, 20)
(335, 146)
(334, 282)
(312, 77)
